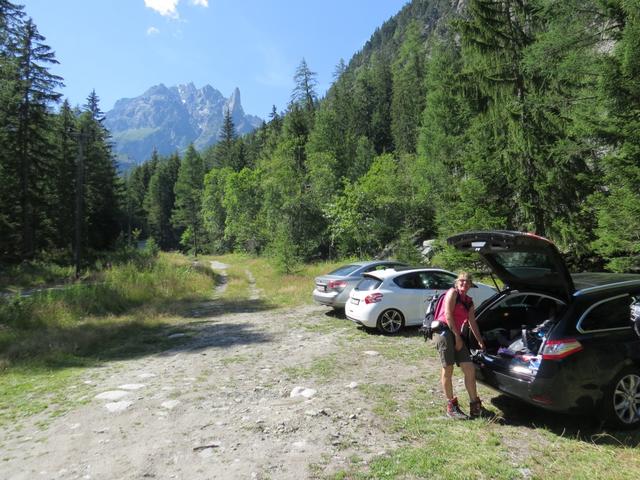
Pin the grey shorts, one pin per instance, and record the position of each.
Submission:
(446, 346)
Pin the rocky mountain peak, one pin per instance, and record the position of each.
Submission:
(171, 118)
(234, 106)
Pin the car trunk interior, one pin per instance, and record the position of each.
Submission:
(514, 330)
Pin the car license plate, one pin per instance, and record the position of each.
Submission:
(322, 288)
(355, 301)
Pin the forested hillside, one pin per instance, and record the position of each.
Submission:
(59, 191)
(455, 115)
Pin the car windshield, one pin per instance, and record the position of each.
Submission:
(345, 270)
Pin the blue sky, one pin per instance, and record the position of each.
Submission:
(120, 48)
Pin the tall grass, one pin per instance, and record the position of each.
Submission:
(82, 316)
(49, 338)
(33, 274)
(276, 289)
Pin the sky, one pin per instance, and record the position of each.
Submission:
(120, 48)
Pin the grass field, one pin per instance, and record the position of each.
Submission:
(51, 336)
(48, 339)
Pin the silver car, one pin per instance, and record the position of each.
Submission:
(333, 288)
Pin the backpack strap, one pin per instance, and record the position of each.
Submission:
(466, 305)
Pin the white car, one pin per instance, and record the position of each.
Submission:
(390, 299)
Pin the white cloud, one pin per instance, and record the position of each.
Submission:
(166, 8)
(202, 3)
(152, 31)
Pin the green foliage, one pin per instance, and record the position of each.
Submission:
(488, 114)
(151, 248)
(618, 203)
(58, 186)
(242, 201)
(214, 213)
(188, 201)
(408, 98)
(370, 212)
(159, 201)
(406, 249)
(284, 251)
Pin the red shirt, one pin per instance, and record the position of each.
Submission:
(460, 311)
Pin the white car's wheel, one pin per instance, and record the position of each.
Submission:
(390, 321)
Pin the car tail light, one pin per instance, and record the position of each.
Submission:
(543, 399)
(373, 298)
(336, 284)
(558, 349)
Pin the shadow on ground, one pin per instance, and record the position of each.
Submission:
(406, 332)
(586, 428)
(219, 307)
(211, 335)
(333, 313)
(91, 344)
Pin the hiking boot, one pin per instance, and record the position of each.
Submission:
(475, 408)
(453, 410)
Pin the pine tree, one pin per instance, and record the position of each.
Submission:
(36, 88)
(408, 98)
(188, 200)
(304, 93)
(226, 153)
(11, 25)
(618, 203)
(65, 140)
(102, 186)
(521, 101)
(159, 202)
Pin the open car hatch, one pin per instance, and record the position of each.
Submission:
(521, 260)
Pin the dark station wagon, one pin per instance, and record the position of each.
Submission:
(564, 342)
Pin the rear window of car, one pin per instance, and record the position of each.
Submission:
(345, 270)
(368, 283)
(525, 264)
(410, 280)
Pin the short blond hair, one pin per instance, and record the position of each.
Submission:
(464, 276)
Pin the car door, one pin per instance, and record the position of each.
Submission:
(605, 332)
(410, 297)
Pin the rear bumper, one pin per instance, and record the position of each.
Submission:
(326, 298)
(366, 315)
(552, 393)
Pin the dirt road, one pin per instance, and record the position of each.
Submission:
(247, 392)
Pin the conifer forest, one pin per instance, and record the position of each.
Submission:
(454, 116)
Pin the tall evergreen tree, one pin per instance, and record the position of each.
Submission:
(214, 213)
(36, 87)
(188, 200)
(11, 25)
(521, 103)
(408, 97)
(65, 140)
(226, 151)
(618, 202)
(102, 186)
(159, 202)
(304, 92)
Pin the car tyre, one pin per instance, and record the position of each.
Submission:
(622, 402)
(390, 322)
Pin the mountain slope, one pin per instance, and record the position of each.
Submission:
(170, 118)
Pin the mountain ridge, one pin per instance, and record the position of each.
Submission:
(169, 119)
